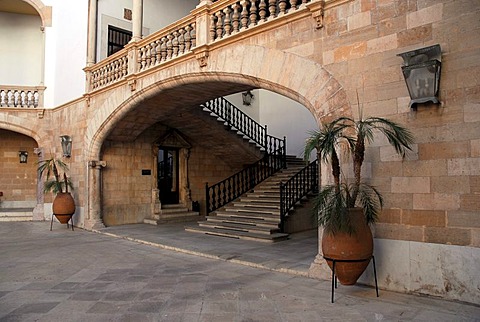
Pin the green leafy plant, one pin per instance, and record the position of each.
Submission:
(55, 172)
(344, 133)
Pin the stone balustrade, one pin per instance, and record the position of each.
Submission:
(241, 15)
(21, 96)
(219, 19)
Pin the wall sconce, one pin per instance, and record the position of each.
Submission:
(247, 98)
(23, 156)
(66, 145)
(421, 71)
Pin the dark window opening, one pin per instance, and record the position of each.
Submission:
(117, 39)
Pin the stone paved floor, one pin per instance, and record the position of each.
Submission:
(83, 276)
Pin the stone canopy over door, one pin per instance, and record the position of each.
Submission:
(171, 153)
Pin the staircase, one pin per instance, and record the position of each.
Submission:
(172, 214)
(16, 214)
(256, 214)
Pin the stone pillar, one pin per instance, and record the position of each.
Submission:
(186, 197)
(137, 20)
(38, 211)
(319, 268)
(94, 220)
(92, 32)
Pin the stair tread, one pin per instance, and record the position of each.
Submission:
(239, 227)
(244, 221)
(238, 234)
(248, 214)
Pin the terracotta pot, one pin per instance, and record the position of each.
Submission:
(343, 246)
(63, 207)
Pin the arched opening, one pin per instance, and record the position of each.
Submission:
(18, 182)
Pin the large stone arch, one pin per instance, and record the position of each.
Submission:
(17, 124)
(293, 76)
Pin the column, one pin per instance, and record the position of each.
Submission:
(137, 20)
(94, 220)
(92, 32)
(38, 212)
(319, 268)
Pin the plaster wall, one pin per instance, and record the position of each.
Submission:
(21, 40)
(447, 271)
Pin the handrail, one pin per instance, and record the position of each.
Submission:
(297, 187)
(241, 122)
(234, 186)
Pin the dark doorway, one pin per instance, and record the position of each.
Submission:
(168, 175)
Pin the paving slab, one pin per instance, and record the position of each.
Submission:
(65, 275)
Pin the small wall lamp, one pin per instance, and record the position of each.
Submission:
(23, 156)
(421, 71)
(247, 98)
(66, 145)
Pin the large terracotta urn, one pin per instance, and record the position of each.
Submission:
(63, 207)
(342, 246)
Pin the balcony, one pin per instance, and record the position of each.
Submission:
(208, 27)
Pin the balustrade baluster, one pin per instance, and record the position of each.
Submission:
(193, 36)
(282, 5)
(148, 54)
(219, 26)
(272, 8)
(263, 10)
(163, 49)
(169, 46)
(253, 13)
(293, 4)
(187, 38)
(213, 28)
(226, 22)
(158, 54)
(244, 15)
(236, 17)
(181, 41)
(175, 43)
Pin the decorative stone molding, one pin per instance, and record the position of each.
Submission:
(97, 164)
(202, 53)
(317, 9)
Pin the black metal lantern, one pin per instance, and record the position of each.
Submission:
(23, 156)
(247, 98)
(421, 70)
(66, 145)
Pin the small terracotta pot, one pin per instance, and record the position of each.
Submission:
(343, 246)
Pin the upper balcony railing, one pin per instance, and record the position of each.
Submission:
(207, 25)
(21, 96)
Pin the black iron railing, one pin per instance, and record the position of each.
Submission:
(244, 124)
(234, 186)
(297, 187)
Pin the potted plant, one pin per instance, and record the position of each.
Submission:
(346, 208)
(58, 183)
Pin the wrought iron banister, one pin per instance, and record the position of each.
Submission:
(234, 186)
(244, 124)
(297, 187)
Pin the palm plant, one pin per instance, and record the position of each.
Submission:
(55, 182)
(333, 201)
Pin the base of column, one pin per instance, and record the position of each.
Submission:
(38, 214)
(319, 269)
(94, 224)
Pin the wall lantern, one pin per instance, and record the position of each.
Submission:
(66, 145)
(247, 98)
(23, 155)
(421, 71)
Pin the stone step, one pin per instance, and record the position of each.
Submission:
(259, 222)
(258, 199)
(178, 217)
(239, 227)
(253, 215)
(16, 214)
(237, 234)
(254, 206)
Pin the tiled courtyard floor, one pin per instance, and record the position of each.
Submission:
(66, 275)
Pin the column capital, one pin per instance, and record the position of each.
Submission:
(97, 164)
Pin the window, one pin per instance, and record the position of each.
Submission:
(117, 39)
